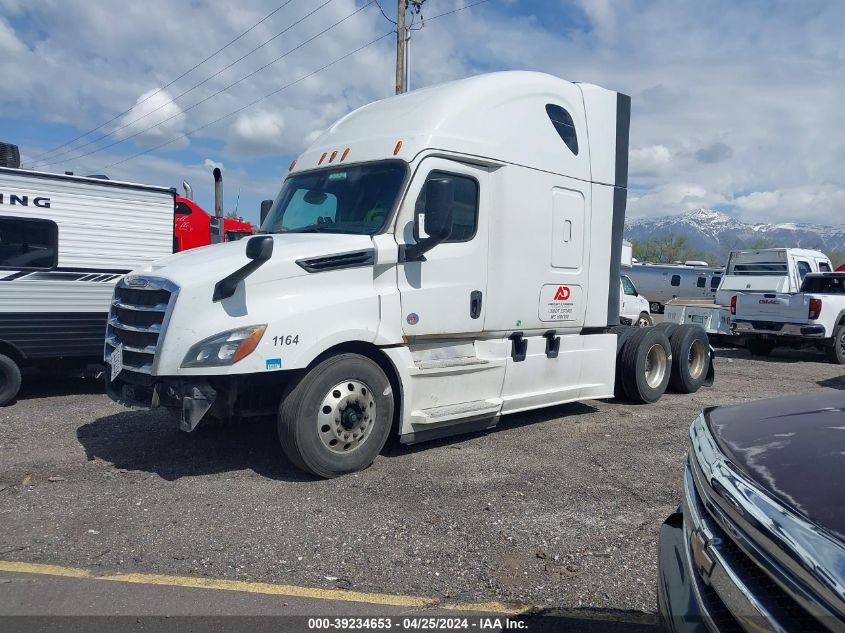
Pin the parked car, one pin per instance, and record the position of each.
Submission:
(758, 543)
(813, 317)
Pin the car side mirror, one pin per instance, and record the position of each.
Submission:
(439, 196)
(266, 205)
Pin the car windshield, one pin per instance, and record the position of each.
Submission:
(832, 285)
(355, 199)
(628, 286)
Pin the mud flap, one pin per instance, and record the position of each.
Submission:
(195, 404)
(711, 371)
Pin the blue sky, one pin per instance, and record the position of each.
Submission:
(736, 105)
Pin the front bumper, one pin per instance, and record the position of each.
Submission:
(747, 326)
(192, 397)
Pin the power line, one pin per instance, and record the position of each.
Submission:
(150, 96)
(278, 90)
(214, 94)
(250, 104)
(53, 160)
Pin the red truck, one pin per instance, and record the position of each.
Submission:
(192, 225)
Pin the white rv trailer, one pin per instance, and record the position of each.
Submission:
(768, 270)
(663, 282)
(432, 262)
(64, 243)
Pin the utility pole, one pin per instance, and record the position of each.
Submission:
(400, 46)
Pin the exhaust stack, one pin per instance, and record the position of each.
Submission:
(189, 191)
(218, 193)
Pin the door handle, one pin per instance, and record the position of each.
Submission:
(475, 304)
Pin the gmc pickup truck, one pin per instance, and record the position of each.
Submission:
(815, 316)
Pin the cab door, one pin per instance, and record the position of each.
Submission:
(445, 294)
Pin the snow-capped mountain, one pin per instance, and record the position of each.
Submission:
(715, 233)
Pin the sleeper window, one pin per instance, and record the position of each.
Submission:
(676, 280)
(562, 121)
(702, 281)
(28, 243)
(464, 207)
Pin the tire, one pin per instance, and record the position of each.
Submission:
(668, 328)
(644, 365)
(623, 333)
(836, 350)
(645, 320)
(655, 308)
(10, 380)
(759, 346)
(690, 358)
(315, 430)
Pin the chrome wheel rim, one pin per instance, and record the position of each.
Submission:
(696, 360)
(346, 416)
(655, 365)
(842, 344)
(643, 321)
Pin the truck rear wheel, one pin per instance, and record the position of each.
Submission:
(644, 320)
(10, 380)
(667, 327)
(690, 358)
(644, 365)
(759, 346)
(335, 419)
(836, 351)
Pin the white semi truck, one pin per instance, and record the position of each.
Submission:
(432, 262)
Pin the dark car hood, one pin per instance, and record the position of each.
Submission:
(792, 447)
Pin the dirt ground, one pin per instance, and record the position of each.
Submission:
(557, 508)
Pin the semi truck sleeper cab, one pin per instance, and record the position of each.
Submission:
(432, 262)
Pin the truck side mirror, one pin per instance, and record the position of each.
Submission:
(266, 205)
(439, 195)
(260, 248)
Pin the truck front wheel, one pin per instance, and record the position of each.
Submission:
(836, 350)
(335, 419)
(10, 380)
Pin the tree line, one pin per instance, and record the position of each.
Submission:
(667, 249)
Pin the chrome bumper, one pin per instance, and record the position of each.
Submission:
(746, 326)
(746, 561)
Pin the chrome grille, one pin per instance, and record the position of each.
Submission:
(139, 312)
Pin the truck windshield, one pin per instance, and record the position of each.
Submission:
(354, 199)
(833, 285)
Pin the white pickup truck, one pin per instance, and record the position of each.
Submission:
(773, 270)
(814, 316)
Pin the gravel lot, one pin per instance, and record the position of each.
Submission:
(557, 508)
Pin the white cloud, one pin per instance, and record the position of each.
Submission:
(823, 205)
(649, 161)
(257, 133)
(10, 45)
(155, 117)
(210, 165)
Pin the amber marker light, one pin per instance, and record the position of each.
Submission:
(249, 344)
(344, 155)
(322, 158)
(397, 148)
(292, 165)
(332, 157)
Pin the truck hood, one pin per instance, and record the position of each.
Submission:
(794, 448)
(212, 263)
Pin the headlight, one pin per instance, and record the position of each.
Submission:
(225, 348)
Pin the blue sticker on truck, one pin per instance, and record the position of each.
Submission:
(273, 363)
